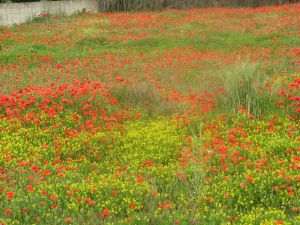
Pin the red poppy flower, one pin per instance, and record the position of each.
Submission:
(105, 213)
(68, 220)
(7, 211)
(53, 197)
(10, 195)
(114, 192)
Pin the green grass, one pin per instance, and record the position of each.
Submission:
(228, 41)
(218, 41)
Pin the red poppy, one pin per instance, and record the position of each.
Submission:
(53, 197)
(105, 213)
(114, 192)
(68, 220)
(250, 179)
(25, 209)
(10, 195)
(29, 188)
(7, 211)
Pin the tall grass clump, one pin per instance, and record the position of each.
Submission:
(242, 86)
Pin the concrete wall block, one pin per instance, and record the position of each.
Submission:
(19, 12)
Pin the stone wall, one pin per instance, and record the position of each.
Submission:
(11, 13)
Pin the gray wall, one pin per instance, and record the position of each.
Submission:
(11, 13)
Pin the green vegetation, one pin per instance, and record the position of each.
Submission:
(173, 117)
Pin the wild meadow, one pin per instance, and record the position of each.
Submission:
(172, 117)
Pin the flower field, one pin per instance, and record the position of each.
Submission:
(172, 117)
